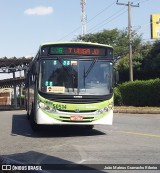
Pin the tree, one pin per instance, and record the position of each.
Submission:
(151, 62)
(114, 37)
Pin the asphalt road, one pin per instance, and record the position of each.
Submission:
(132, 139)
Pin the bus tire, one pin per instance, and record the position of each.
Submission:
(34, 125)
(28, 115)
(27, 109)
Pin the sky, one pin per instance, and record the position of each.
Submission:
(25, 24)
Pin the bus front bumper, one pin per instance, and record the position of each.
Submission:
(43, 117)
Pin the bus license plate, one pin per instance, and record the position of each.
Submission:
(76, 118)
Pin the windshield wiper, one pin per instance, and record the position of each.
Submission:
(90, 68)
(85, 73)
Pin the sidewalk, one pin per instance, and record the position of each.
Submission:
(10, 108)
(137, 110)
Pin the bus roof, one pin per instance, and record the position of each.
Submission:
(85, 43)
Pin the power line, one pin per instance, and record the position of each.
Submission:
(116, 14)
(87, 21)
(141, 1)
(101, 12)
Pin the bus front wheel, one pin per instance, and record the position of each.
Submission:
(89, 127)
(34, 125)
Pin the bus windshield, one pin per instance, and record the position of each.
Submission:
(75, 76)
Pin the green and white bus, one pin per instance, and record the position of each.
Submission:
(70, 84)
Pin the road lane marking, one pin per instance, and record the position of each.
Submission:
(141, 134)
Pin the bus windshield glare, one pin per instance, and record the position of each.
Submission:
(69, 76)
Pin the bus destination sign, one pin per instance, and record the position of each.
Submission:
(77, 51)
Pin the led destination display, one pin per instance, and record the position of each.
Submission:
(77, 51)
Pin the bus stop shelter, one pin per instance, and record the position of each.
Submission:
(13, 65)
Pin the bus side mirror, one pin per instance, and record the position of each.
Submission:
(116, 77)
(116, 73)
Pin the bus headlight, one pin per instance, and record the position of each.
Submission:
(101, 111)
(42, 105)
(45, 107)
(105, 109)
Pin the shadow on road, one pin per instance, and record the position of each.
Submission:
(49, 163)
(21, 126)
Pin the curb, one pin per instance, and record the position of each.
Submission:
(137, 111)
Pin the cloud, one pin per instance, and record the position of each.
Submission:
(39, 11)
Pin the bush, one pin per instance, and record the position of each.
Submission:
(117, 97)
(139, 93)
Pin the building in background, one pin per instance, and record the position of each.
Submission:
(6, 96)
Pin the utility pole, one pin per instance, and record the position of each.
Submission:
(129, 4)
